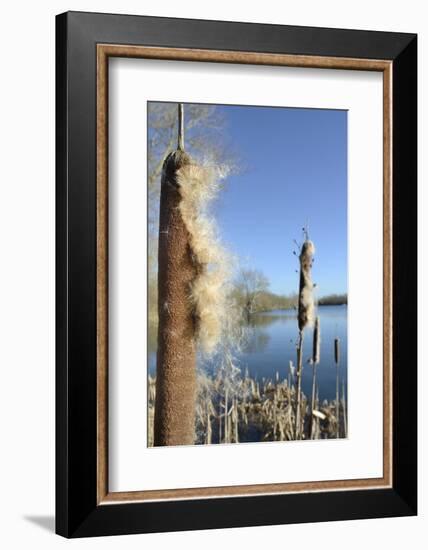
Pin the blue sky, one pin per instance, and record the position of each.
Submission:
(294, 172)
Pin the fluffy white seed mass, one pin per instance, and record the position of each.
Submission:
(198, 186)
(306, 298)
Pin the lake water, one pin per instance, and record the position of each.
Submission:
(271, 344)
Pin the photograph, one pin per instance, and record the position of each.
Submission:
(247, 283)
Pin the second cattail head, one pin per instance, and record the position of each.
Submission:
(306, 298)
(316, 342)
(336, 350)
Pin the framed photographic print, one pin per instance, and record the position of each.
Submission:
(236, 274)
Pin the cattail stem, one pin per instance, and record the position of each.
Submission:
(226, 431)
(236, 421)
(274, 416)
(208, 420)
(219, 422)
(315, 361)
(337, 401)
(298, 427)
(317, 433)
(337, 361)
(304, 318)
(290, 374)
(344, 412)
(180, 141)
(313, 407)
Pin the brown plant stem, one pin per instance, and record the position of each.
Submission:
(315, 361)
(337, 361)
(208, 437)
(313, 407)
(226, 416)
(219, 422)
(298, 427)
(344, 412)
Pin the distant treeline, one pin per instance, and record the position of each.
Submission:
(250, 293)
(333, 300)
(268, 301)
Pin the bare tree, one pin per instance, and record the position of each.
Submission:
(250, 284)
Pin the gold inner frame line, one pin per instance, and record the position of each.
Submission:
(104, 51)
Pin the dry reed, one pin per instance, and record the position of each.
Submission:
(305, 317)
(337, 361)
(259, 411)
(316, 346)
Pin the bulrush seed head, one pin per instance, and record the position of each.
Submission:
(306, 299)
(336, 350)
(198, 186)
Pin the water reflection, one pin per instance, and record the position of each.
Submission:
(257, 334)
(255, 338)
(270, 343)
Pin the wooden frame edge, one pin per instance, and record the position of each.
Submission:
(104, 51)
(241, 57)
(102, 274)
(387, 274)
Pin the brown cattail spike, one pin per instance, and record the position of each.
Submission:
(306, 299)
(336, 351)
(174, 419)
(176, 356)
(316, 342)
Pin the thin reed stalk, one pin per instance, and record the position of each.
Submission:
(315, 361)
(290, 373)
(344, 412)
(337, 361)
(304, 318)
(299, 371)
(317, 420)
(208, 438)
(235, 421)
(226, 416)
(219, 422)
(274, 415)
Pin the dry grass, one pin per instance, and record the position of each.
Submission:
(254, 411)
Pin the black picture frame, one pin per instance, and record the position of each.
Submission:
(77, 511)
